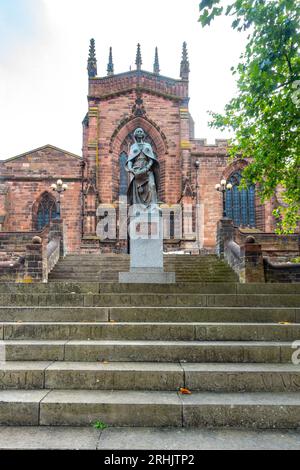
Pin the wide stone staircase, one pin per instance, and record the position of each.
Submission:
(106, 268)
(192, 354)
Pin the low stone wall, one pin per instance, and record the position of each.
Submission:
(246, 261)
(12, 270)
(272, 245)
(13, 244)
(258, 257)
(281, 272)
(30, 256)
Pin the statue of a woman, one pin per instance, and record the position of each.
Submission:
(144, 168)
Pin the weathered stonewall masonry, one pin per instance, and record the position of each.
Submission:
(118, 104)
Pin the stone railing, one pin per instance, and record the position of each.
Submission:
(30, 256)
(258, 257)
(53, 254)
(232, 254)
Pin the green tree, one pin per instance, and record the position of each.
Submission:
(265, 115)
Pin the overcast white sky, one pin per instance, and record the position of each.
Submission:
(44, 49)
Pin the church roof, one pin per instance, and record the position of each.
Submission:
(137, 73)
(44, 147)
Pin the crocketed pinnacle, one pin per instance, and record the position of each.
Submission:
(138, 61)
(185, 65)
(156, 68)
(110, 66)
(92, 61)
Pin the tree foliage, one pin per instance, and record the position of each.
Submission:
(265, 115)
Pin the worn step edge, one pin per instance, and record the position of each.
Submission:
(159, 409)
(259, 410)
(194, 331)
(154, 314)
(152, 351)
(94, 300)
(150, 376)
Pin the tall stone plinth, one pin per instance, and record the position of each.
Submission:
(146, 248)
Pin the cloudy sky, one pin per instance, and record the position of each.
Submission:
(44, 48)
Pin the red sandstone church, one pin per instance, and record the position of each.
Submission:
(97, 181)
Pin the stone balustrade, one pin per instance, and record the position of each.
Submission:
(258, 257)
(30, 256)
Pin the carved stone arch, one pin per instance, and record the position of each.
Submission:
(128, 125)
(235, 166)
(47, 201)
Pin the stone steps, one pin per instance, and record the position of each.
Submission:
(150, 331)
(175, 259)
(77, 353)
(106, 268)
(151, 300)
(156, 409)
(115, 268)
(116, 288)
(150, 314)
(107, 278)
(146, 438)
(214, 377)
(148, 351)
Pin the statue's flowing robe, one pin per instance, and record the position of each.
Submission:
(143, 188)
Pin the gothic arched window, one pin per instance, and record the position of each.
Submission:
(240, 204)
(47, 210)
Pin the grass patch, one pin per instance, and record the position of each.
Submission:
(100, 425)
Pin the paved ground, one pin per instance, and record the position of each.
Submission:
(145, 438)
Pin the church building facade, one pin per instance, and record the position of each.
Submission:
(98, 182)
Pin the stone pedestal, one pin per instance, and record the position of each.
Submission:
(146, 248)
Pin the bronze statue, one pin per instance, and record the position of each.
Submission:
(144, 168)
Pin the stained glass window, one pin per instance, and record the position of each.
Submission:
(240, 204)
(47, 211)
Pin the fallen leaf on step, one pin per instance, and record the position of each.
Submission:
(284, 323)
(112, 321)
(185, 391)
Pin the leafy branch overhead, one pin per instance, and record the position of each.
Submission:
(265, 115)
